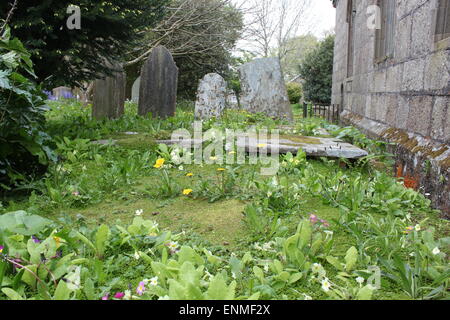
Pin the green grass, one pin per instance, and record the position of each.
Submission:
(116, 181)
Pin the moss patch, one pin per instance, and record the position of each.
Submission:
(136, 142)
(300, 139)
(217, 222)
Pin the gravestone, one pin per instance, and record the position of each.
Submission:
(135, 90)
(211, 97)
(159, 80)
(109, 96)
(264, 89)
(62, 93)
(232, 101)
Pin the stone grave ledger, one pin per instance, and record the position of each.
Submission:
(135, 90)
(264, 89)
(158, 89)
(312, 146)
(211, 97)
(109, 96)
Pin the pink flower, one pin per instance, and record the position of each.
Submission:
(106, 297)
(313, 219)
(325, 223)
(141, 288)
(75, 193)
(119, 295)
(1, 249)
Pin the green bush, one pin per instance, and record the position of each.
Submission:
(317, 70)
(294, 92)
(22, 107)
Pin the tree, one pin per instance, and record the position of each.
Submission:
(273, 23)
(109, 30)
(200, 34)
(298, 48)
(317, 72)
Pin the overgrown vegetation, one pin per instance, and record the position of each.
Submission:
(23, 141)
(125, 220)
(317, 71)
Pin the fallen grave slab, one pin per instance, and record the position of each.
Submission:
(312, 146)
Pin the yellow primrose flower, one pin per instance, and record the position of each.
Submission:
(262, 145)
(221, 169)
(213, 158)
(159, 163)
(189, 174)
(187, 192)
(58, 241)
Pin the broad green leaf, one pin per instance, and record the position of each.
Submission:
(62, 292)
(89, 289)
(23, 223)
(11, 294)
(101, 238)
(335, 263)
(365, 293)
(351, 258)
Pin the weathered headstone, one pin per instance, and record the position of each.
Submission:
(232, 101)
(264, 89)
(211, 97)
(62, 93)
(135, 90)
(159, 80)
(109, 96)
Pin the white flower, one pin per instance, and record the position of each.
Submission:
(139, 212)
(360, 280)
(266, 268)
(127, 295)
(267, 246)
(326, 285)
(181, 168)
(172, 245)
(316, 267)
(417, 228)
(307, 297)
(136, 255)
(436, 251)
(154, 281)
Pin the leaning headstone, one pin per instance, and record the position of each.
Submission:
(159, 80)
(211, 97)
(232, 101)
(62, 93)
(109, 96)
(135, 90)
(264, 89)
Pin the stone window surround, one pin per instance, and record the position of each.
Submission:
(441, 42)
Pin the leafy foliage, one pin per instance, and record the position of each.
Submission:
(294, 92)
(22, 106)
(109, 30)
(317, 70)
(315, 230)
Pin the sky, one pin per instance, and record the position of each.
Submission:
(326, 14)
(321, 20)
